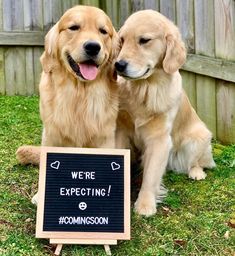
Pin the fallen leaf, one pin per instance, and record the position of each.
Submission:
(166, 210)
(231, 223)
(180, 242)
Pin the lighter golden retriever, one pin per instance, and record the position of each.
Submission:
(78, 95)
(155, 112)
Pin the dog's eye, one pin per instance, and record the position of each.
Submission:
(122, 40)
(144, 40)
(74, 27)
(103, 31)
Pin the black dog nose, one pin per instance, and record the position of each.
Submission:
(92, 48)
(121, 65)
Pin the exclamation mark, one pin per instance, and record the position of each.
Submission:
(109, 190)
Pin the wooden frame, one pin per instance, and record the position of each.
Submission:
(91, 236)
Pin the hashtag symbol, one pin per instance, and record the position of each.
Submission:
(61, 220)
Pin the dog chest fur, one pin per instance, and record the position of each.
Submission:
(64, 109)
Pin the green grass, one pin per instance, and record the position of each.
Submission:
(192, 220)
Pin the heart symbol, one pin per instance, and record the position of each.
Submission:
(115, 166)
(55, 165)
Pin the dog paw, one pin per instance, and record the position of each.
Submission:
(146, 205)
(22, 154)
(197, 173)
(28, 155)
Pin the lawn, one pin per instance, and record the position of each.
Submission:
(196, 218)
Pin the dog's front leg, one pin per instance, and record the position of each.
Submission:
(154, 162)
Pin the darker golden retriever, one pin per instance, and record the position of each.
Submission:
(78, 95)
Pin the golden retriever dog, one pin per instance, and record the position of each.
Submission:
(155, 113)
(78, 93)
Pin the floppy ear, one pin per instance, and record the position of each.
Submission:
(175, 54)
(114, 53)
(49, 57)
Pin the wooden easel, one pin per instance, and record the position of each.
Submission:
(59, 243)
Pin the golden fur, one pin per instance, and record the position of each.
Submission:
(155, 113)
(77, 112)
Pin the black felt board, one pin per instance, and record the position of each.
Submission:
(103, 213)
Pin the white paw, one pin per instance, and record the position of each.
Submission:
(34, 200)
(197, 173)
(145, 205)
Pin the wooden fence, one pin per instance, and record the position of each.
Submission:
(208, 29)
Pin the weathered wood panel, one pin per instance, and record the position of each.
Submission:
(37, 52)
(189, 85)
(204, 27)
(204, 45)
(206, 101)
(225, 48)
(185, 22)
(33, 38)
(226, 112)
(2, 64)
(152, 4)
(124, 11)
(208, 66)
(137, 5)
(91, 2)
(225, 29)
(112, 10)
(207, 27)
(168, 8)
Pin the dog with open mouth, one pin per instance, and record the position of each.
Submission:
(155, 114)
(78, 92)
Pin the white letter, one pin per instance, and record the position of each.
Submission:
(74, 175)
(62, 191)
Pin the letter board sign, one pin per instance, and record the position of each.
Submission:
(84, 194)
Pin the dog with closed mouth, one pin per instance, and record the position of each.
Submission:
(78, 94)
(155, 114)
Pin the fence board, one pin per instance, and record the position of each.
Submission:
(8, 52)
(206, 101)
(28, 25)
(37, 14)
(137, 5)
(65, 5)
(185, 22)
(17, 17)
(47, 14)
(20, 71)
(112, 10)
(189, 85)
(218, 68)
(7, 22)
(225, 29)
(152, 4)
(225, 48)
(2, 64)
(204, 27)
(10, 71)
(37, 52)
(56, 10)
(168, 8)
(2, 72)
(75, 2)
(226, 112)
(124, 11)
(91, 2)
(204, 44)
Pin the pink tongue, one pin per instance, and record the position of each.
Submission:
(88, 71)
